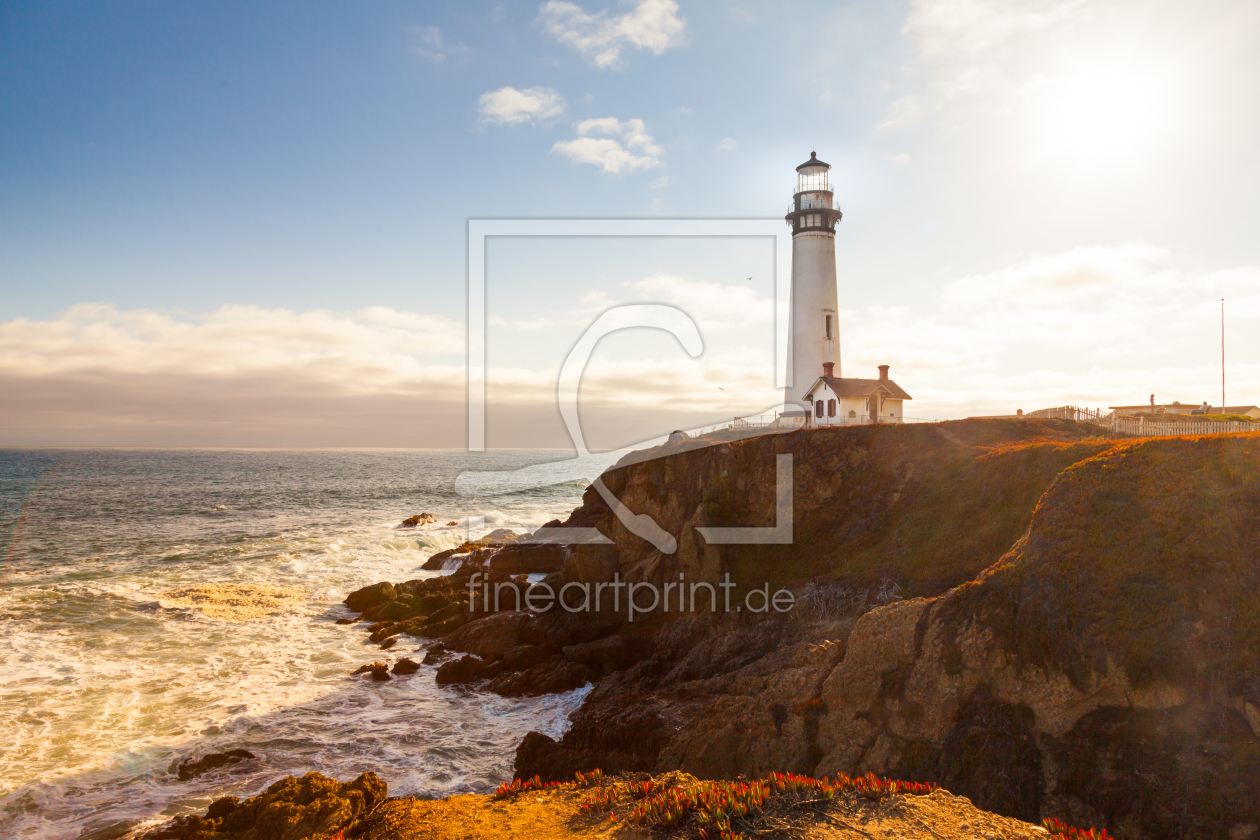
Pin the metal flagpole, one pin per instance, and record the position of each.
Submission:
(1222, 355)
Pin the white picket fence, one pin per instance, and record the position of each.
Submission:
(1138, 427)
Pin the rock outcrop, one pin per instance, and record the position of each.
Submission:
(1104, 669)
(310, 808)
(418, 520)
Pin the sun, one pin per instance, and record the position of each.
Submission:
(1105, 114)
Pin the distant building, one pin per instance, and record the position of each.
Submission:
(837, 401)
(1178, 408)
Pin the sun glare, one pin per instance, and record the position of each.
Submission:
(1104, 115)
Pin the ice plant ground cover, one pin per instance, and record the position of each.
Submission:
(709, 807)
(1059, 829)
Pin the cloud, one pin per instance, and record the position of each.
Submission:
(1091, 325)
(237, 376)
(509, 106)
(1096, 326)
(607, 142)
(428, 43)
(971, 41)
(714, 306)
(903, 112)
(523, 325)
(657, 183)
(653, 25)
(727, 145)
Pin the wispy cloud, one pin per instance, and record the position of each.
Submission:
(716, 307)
(979, 56)
(427, 42)
(728, 144)
(509, 106)
(612, 145)
(653, 25)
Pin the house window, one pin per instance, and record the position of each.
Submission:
(818, 407)
(829, 328)
(831, 408)
(852, 414)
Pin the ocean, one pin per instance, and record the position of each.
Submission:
(113, 670)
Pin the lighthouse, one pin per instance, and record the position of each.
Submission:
(812, 325)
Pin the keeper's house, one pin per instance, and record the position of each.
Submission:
(836, 401)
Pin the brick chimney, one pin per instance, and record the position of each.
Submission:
(883, 373)
(828, 367)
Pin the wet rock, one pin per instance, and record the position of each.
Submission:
(397, 610)
(436, 655)
(313, 806)
(191, 769)
(418, 520)
(528, 558)
(449, 611)
(368, 597)
(490, 671)
(378, 670)
(437, 629)
(492, 636)
(345, 621)
(389, 643)
(525, 656)
(452, 522)
(438, 561)
(607, 654)
(406, 666)
(462, 670)
(551, 676)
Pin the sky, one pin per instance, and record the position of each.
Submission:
(245, 224)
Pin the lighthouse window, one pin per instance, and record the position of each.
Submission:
(829, 328)
(831, 408)
(818, 408)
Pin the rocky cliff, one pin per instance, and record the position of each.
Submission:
(1046, 622)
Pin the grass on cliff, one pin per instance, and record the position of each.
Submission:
(1143, 557)
(929, 506)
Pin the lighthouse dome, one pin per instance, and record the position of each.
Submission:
(813, 161)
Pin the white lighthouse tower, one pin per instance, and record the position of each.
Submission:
(813, 329)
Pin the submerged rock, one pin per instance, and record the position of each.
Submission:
(378, 670)
(190, 768)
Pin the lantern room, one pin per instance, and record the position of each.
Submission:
(814, 207)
